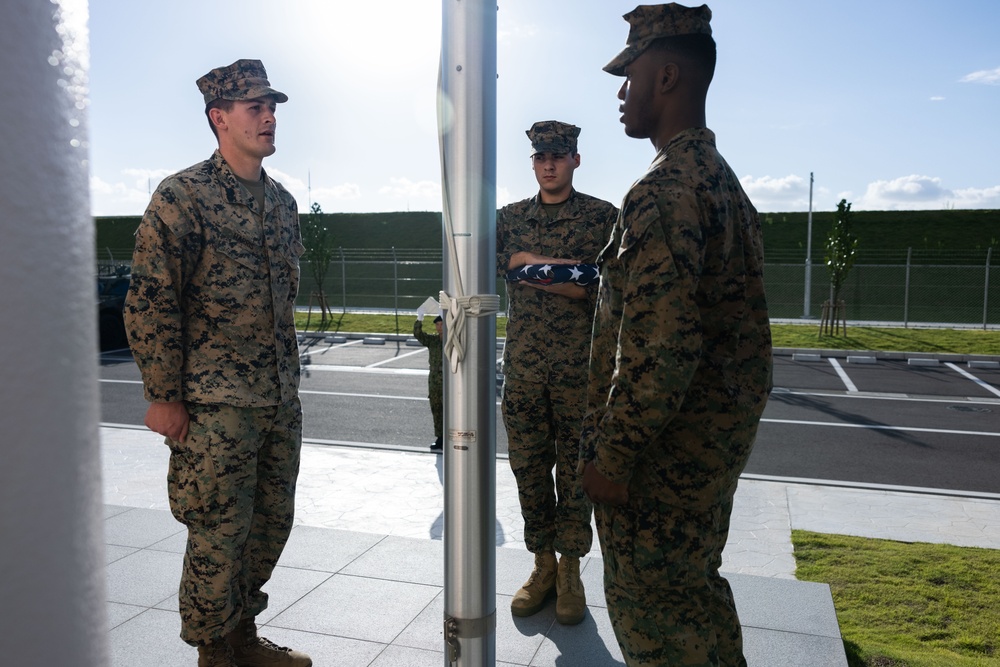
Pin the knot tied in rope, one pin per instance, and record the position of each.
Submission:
(456, 310)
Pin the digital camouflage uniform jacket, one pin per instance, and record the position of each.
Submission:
(548, 335)
(681, 359)
(435, 353)
(210, 309)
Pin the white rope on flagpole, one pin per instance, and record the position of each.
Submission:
(458, 308)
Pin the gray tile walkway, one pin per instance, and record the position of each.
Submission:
(360, 582)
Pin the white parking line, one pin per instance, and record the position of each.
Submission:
(988, 387)
(402, 356)
(843, 375)
(881, 427)
(342, 393)
(365, 369)
(331, 347)
(879, 396)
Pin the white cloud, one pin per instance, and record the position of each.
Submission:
(404, 188)
(937, 98)
(978, 197)
(291, 183)
(917, 192)
(147, 179)
(119, 198)
(987, 76)
(786, 193)
(343, 191)
(508, 31)
(503, 196)
(332, 199)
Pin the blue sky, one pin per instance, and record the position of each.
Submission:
(892, 104)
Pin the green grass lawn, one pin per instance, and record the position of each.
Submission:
(890, 339)
(958, 341)
(907, 605)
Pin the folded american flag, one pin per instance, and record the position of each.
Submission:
(554, 274)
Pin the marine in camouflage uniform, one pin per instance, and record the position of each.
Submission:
(435, 378)
(209, 316)
(680, 365)
(545, 355)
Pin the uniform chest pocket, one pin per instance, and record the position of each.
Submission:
(241, 251)
(232, 280)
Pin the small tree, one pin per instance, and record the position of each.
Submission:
(318, 240)
(841, 245)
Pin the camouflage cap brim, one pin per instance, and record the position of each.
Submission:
(618, 64)
(264, 91)
(556, 148)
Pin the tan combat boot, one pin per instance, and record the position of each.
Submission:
(571, 605)
(531, 597)
(251, 650)
(216, 654)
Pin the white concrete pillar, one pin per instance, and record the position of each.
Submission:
(52, 594)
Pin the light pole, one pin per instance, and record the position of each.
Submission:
(809, 239)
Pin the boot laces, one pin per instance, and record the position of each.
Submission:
(536, 572)
(268, 644)
(570, 574)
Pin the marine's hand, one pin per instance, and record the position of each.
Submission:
(168, 419)
(600, 489)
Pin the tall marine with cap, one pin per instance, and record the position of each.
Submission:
(210, 320)
(680, 366)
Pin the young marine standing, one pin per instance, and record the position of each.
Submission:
(681, 360)
(545, 366)
(435, 376)
(209, 316)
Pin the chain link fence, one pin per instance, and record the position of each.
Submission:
(901, 287)
(907, 287)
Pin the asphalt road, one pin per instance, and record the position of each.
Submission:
(886, 423)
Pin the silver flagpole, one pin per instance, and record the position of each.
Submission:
(467, 126)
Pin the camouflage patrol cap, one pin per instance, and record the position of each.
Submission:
(243, 80)
(648, 23)
(551, 136)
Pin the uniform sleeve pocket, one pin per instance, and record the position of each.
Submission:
(640, 218)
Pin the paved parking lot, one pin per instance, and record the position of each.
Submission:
(859, 432)
(838, 418)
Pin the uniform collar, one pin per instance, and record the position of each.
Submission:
(689, 135)
(236, 193)
(568, 210)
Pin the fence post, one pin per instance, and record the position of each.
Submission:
(343, 280)
(906, 291)
(395, 286)
(986, 285)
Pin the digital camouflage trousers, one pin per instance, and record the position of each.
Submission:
(232, 483)
(667, 602)
(543, 425)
